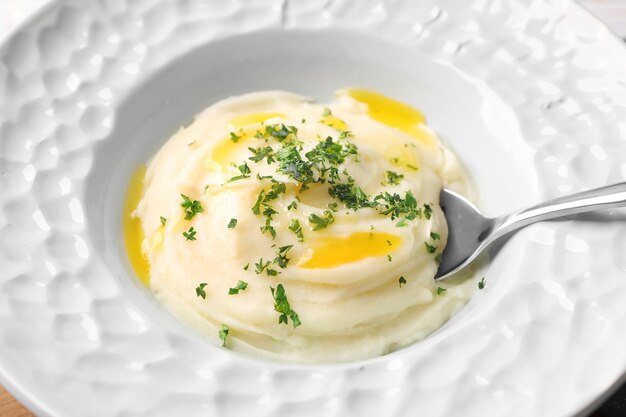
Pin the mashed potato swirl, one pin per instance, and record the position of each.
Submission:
(302, 232)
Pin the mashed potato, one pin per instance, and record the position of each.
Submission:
(292, 230)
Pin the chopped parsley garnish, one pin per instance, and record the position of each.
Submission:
(277, 189)
(396, 206)
(393, 178)
(427, 211)
(318, 165)
(232, 223)
(280, 131)
(256, 208)
(260, 154)
(281, 259)
(389, 258)
(328, 152)
(402, 223)
(319, 223)
(481, 284)
(430, 248)
(261, 266)
(245, 172)
(401, 281)
(268, 227)
(294, 226)
(223, 334)
(190, 234)
(281, 305)
(191, 207)
(413, 167)
(245, 268)
(261, 206)
(434, 236)
(438, 258)
(441, 290)
(234, 137)
(389, 243)
(351, 195)
(290, 163)
(293, 205)
(200, 290)
(163, 220)
(326, 112)
(241, 286)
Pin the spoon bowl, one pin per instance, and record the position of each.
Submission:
(470, 233)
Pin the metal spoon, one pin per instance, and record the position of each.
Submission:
(470, 233)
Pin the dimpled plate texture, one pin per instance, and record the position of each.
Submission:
(544, 338)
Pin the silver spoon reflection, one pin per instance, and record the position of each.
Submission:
(470, 233)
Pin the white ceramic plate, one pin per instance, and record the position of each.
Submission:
(532, 95)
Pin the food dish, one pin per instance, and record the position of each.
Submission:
(312, 233)
(539, 89)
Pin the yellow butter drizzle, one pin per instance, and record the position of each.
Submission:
(393, 113)
(133, 232)
(222, 154)
(335, 123)
(332, 251)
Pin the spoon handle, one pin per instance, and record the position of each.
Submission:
(608, 197)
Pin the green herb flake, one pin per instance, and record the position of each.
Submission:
(256, 208)
(281, 259)
(326, 112)
(413, 167)
(430, 248)
(280, 131)
(268, 228)
(245, 172)
(351, 195)
(402, 223)
(389, 243)
(319, 223)
(395, 206)
(293, 205)
(260, 154)
(281, 305)
(223, 334)
(438, 258)
(294, 226)
(241, 286)
(232, 223)
(393, 178)
(434, 236)
(245, 268)
(163, 220)
(441, 290)
(191, 207)
(401, 281)
(428, 211)
(234, 137)
(261, 266)
(190, 234)
(389, 258)
(200, 290)
(481, 283)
